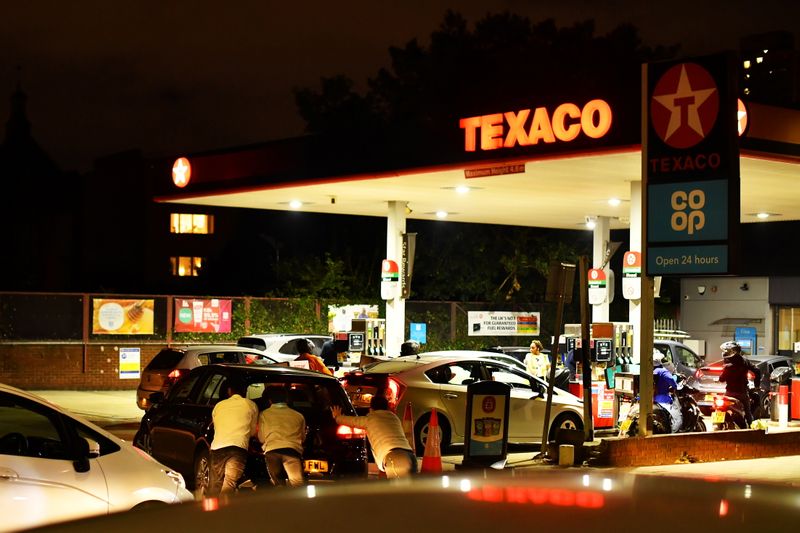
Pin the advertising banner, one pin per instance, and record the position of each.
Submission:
(130, 363)
(691, 166)
(487, 323)
(122, 317)
(202, 316)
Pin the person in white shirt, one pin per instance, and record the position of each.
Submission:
(235, 420)
(282, 430)
(537, 362)
(393, 453)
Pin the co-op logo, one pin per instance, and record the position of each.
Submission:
(688, 211)
(684, 105)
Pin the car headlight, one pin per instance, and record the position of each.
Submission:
(176, 477)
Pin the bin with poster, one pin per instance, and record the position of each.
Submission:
(486, 431)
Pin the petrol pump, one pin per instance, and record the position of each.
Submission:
(610, 352)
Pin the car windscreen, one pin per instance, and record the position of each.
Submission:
(304, 395)
(165, 359)
(252, 342)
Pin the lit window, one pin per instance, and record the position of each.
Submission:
(746, 90)
(186, 266)
(759, 59)
(747, 64)
(189, 223)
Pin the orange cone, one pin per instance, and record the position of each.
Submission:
(408, 426)
(432, 458)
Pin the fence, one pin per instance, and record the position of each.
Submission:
(52, 340)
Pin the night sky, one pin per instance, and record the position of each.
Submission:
(182, 76)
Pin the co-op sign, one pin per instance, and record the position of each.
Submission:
(691, 166)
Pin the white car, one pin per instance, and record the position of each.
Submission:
(282, 346)
(55, 466)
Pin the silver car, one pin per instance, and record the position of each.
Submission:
(434, 381)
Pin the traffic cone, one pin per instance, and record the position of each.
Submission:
(432, 458)
(408, 426)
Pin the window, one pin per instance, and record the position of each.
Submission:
(211, 391)
(181, 390)
(788, 328)
(186, 266)
(28, 429)
(190, 223)
(687, 358)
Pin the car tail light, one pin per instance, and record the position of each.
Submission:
(750, 375)
(394, 391)
(698, 374)
(176, 374)
(343, 381)
(720, 402)
(347, 432)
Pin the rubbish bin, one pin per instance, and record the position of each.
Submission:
(780, 376)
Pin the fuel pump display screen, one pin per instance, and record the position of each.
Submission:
(603, 349)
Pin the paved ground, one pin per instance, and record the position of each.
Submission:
(117, 412)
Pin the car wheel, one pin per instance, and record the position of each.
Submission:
(421, 433)
(564, 421)
(765, 407)
(152, 504)
(202, 472)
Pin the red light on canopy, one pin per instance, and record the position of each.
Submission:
(741, 116)
(181, 172)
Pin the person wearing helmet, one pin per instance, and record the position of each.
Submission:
(663, 383)
(735, 376)
(305, 351)
(410, 347)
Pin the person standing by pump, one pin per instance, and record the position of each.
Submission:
(735, 376)
(393, 453)
(305, 350)
(537, 362)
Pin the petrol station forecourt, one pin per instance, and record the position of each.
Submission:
(571, 156)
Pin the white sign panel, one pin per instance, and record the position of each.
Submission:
(130, 363)
(492, 323)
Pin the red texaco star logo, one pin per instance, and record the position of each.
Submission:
(181, 172)
(684, 105)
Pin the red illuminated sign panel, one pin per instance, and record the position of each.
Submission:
(181, 172)
(530, 127)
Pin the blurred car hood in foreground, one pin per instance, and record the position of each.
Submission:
(546, 500)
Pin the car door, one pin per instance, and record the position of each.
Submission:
(38, 481)
(526, 410)
(172, 434)
(453, 379)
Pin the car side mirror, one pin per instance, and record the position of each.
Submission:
(83, 453)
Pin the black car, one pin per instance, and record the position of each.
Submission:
(706, 382)
(177, 430)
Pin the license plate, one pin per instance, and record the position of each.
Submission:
(709, 397)
(625, 426)
(314, 466)
(718, 417)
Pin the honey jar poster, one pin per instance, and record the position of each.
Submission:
(122, 317)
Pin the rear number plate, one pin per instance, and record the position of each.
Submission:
(718, 417)
(313, 466)
(709, 397)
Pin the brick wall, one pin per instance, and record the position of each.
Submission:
(65, 367)
(699, 447)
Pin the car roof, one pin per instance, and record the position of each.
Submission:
(272, 369)
(219, 347)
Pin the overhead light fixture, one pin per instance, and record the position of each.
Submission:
(763, 215)
(441, 214)
(614, 202)
(295, 204)
(591, 222)
(463, 189)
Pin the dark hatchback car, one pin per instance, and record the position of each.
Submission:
(706, 382)
(177, 430)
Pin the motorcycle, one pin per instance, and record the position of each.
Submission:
(729, 412)
(662, 420)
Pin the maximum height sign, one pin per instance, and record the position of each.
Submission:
(691, 166)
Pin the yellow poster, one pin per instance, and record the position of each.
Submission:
(122, 317)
